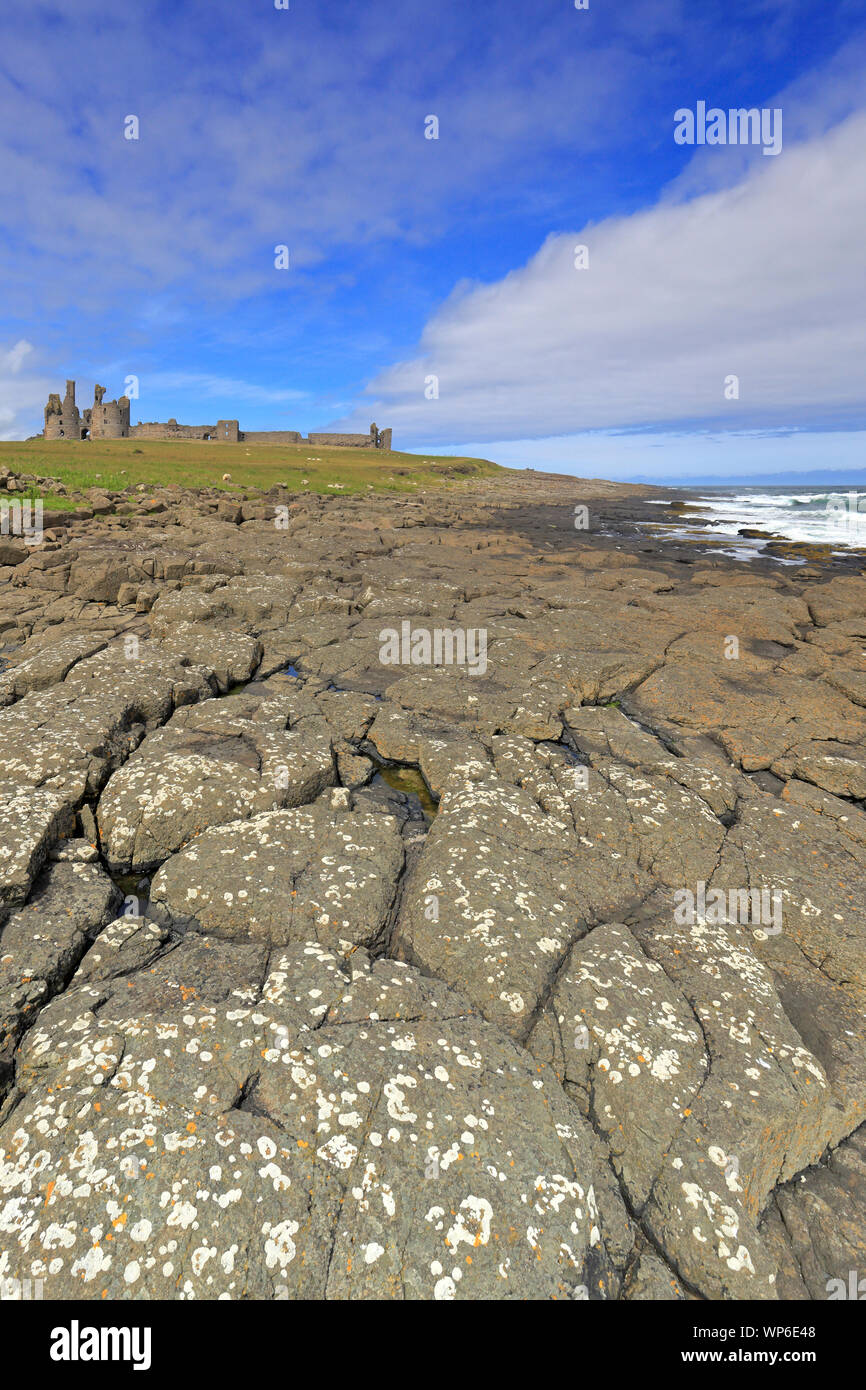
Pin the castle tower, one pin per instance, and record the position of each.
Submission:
(109, 419)
(53, 421)
(70, 419)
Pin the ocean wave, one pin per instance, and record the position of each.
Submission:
(827, 517)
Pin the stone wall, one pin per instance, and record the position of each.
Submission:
(373, 440)
(170, 429)
(70, 417)
(271, 437)
(343, 441)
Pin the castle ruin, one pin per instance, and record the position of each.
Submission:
(110, 420)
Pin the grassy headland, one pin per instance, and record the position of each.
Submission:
(117, 464)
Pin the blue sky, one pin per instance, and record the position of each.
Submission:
(453, 258)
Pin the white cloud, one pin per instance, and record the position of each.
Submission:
(812, 104)
(765, 280)
(229, 166)
(22, 395)
(219, 387)
(13, 360)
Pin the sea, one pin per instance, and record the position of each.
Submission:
(819, 516)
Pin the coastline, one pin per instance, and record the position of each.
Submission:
(477, 1001)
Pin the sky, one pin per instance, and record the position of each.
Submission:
(555, 281)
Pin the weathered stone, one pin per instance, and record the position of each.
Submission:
(627, 1046)
(500, 892)
(815, 1227)
(48, 666)
(764, 1110)
(32, 823)
(42, 943)
(211, 764)
(12, 552)
(562, 1044)
(361, 1136)
(323, 872)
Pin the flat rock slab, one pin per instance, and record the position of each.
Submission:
(323, 872)
(42, 943)
(317, 1134)
(758, 717)
(764, 1110)
(819, 875)
(231, 656)
(72, 735)
(628, 1048)
(52, 663)
(211, 764)
(816, 1227)
(500, 892)
(33, 821)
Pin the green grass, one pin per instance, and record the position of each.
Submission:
(121, 463)
(52, 502)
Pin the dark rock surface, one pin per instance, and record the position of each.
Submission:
(413, 1003)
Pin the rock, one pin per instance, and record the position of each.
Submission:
(725, 1157)
(42, 943)
(74, 852)
(839, 768)
(49, 665)
(499, 894)
(12, 552)
(362, 1042)
(87, 822)
(323, 872)
(354, 771)
(99, 581)
(627, 1047)
(851, 683)
(651, 1280)
(816, 1227)
(70, 737)
(32, 823)
(747, 715)
(296, 1167)
(232, 656)
(211, 764)
(820, 877)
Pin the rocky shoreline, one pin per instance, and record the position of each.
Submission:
(330, 976)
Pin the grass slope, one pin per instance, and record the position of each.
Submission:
(116, 464)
